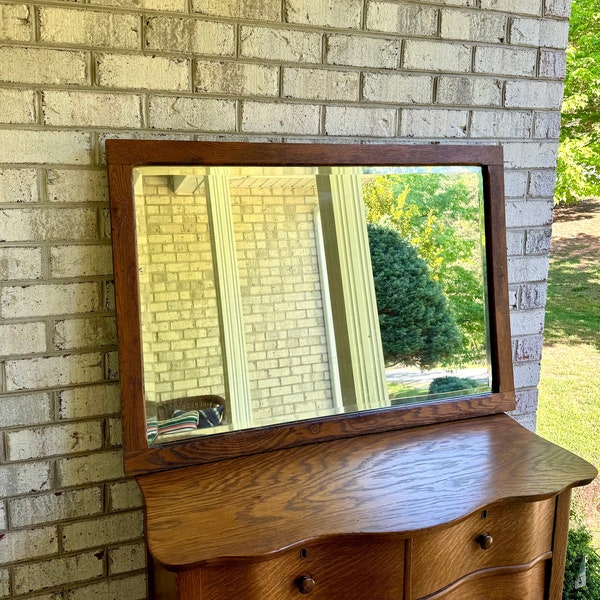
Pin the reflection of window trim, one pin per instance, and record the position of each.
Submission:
(334, 373)
(229, 298)
(354, 306)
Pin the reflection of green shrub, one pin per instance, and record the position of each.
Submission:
(580, 546)
(416, 325)
(442, 385)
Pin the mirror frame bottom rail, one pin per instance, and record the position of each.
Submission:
(124, 155)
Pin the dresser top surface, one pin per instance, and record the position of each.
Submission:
(395, 482)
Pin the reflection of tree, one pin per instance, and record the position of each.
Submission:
(439, 215)
(416, 325)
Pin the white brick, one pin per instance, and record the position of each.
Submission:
(398, 88)
(115, 431)
(321, 84)
(434, 123)
(89, 28)
(527, 322)
(529, 214)
(527, 401)
(236, 79)
(501, 124)
(24, 478)
(89, 401)
(127, 558)
(538, 241)
(281, 44)
(525, 31)
(3, 521)
(45, 224)
(402, 18)
(437, 56)
(469, 91)
(131, 588)
(66, 147)
(96, 467)
(80, 261)
(515, 241)
(345, 14)
(43, 66)
(190, 36)
(77, 185)
(547, 125)
(124, 495)
(25, 409)
(557, 8)
(530, 155)
(59, 571)
(91, 109)
(20, 263)
(56, 506)
(22, 338)
(266, 10)
(259, 117)
(43, 300)
(553, 65)
(54, 440)
(473, 26)
(359, 121)
(529, 268)
(29, 543)
(18, 106)
(526, 374)
(505, 61)
(170, 112)
(515, 183)
(541, 184)
(109, 529)
(526, 420)
(529, 7)
(18, 185)
(357, 51)
(85, 333)
(130, 71)
(16, 23)
(533, 296)
(533, 94)
(50, 371)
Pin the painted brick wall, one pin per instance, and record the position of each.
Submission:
(73, 74)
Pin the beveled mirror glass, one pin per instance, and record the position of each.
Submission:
(271, 289)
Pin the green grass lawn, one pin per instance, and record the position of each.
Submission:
(569, 391)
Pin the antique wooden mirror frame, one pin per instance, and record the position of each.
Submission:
(125, 155)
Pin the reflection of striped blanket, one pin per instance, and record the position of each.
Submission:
(185, 421)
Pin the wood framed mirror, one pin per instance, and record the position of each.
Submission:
(275, 295)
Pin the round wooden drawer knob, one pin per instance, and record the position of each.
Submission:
(485, 540)
(306, 584)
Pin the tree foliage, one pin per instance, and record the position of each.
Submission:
(438, 214)
(416, 325)
(579, 149)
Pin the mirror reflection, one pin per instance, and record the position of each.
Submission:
(273, 294)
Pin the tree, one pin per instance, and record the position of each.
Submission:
(416, 325)
(579, 150)
(439, 215)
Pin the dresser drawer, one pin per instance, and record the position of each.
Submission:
(340, 569)
(510, 533)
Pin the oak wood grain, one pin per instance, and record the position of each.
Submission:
(400, 482)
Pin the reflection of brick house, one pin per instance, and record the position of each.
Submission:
(70, 76)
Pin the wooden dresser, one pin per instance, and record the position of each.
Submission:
(474, 509)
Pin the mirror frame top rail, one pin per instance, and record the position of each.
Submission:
(125, 155)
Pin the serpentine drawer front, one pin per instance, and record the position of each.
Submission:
(513, 536)
(472, 510)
